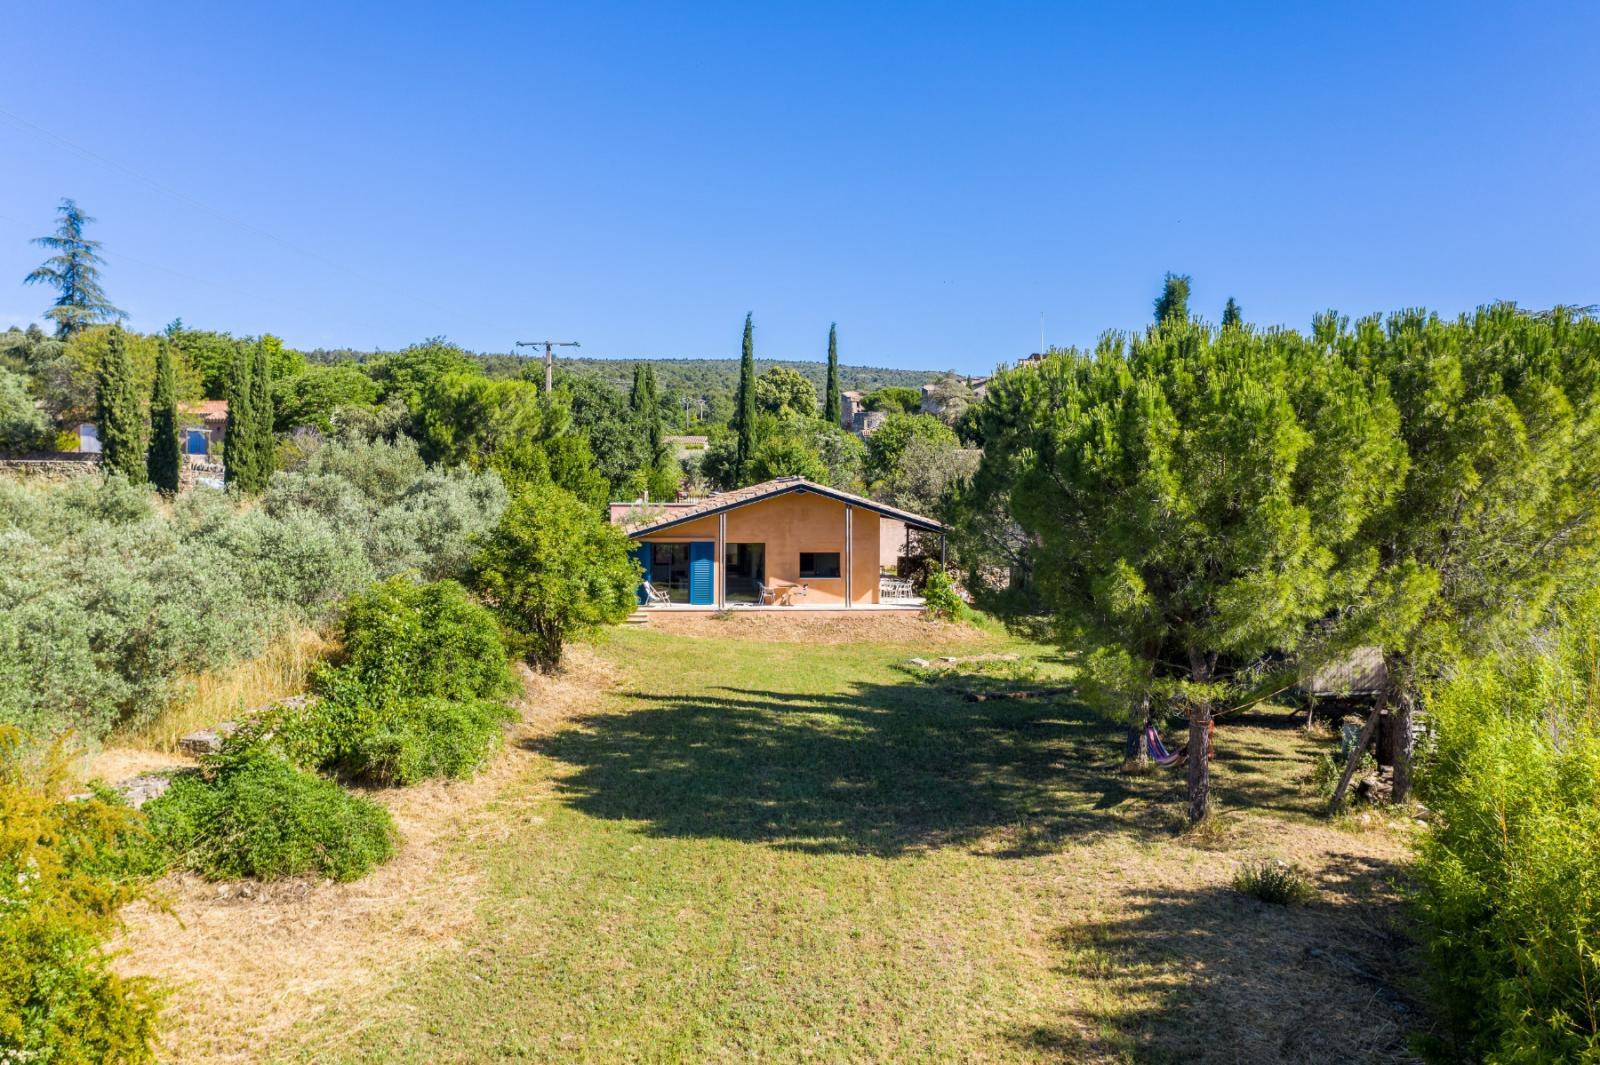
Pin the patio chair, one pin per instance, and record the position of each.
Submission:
(655, 598)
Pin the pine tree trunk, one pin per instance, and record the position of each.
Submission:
(1201, 666)
(1199, 762)
(1140, 741)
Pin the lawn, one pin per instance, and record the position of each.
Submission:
(788, 845)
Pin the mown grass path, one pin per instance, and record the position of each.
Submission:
(754, 850)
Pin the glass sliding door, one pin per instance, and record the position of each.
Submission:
(746, 567)
(669, 570)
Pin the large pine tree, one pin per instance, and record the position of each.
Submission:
(164, 460)
(830, 403)
(744, 414)
(120, 420)
(74, 272)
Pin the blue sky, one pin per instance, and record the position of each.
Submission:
(933, 177)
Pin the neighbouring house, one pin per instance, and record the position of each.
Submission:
(786, 542)
(686, 447)
(205, 425)
(849, 406)
(206, 437)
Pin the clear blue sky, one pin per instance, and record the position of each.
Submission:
(933, 177)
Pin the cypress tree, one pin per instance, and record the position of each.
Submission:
(164, 460)
(265, 444)
(1173, 303)
(830, 404)
(1231, 314)
(120, 421)
(744, 415)
(238, 450)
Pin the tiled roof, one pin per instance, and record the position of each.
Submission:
(739, 497)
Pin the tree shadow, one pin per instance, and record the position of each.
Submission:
(879, 768)
(1211, 975)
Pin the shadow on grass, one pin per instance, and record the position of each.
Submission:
(1210, 975)
(879, 768)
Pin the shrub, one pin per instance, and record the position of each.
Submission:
(404, 639)
(554, 571)
(417, 692)
(65, 869)
(258, 816)
(1508, 895)
(422, 739)
(1275, 881)
(941, 598)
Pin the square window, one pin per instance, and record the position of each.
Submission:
(819, 564)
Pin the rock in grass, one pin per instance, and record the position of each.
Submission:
(144, 787)
(207, 740)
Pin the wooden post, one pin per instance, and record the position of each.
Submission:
(1350, 766)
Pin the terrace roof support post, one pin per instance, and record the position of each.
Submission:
(719, 565)
(849, 545)
(944, 553)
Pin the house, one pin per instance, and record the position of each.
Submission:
(687, 447)
(205, 424)
(785, 542)
(204, 438)
(849, 406)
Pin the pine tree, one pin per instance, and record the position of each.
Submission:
(1232, 316)
(119, 420)
(1173, 303)
(238, 449)
(164, 460)
(265, 444)
(74, 271)
(744, 414)
(830, 403)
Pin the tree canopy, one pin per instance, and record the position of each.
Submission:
(74, 272)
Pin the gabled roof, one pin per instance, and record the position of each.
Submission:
(741, 497)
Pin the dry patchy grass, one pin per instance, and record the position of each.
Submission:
(766, 838)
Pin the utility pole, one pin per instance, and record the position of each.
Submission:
(549, 359)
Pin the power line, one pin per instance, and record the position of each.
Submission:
(86, 153)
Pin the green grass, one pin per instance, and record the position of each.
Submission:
(763, 851)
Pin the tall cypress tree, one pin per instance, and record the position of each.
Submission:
(1173, 303)
(1231, 314)
(830, 404)
(238, 448)
(265, 444)
(119, 419)
(164, 461)
(744, 415)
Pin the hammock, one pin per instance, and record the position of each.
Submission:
(1158, 750)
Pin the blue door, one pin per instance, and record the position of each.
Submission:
(641, 554)
(702, 568)
(195, 442)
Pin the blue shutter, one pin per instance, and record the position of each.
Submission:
(642, 554)
(702, 564)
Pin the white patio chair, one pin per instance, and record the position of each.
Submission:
(655, 598)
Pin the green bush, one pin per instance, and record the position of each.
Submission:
(258, 816)
(422, 739)
(1508, 895)
(66, 867)
(403, 639)
(940, 597)
(418, 691)
(1276, 882)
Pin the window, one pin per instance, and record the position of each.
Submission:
(819, 564)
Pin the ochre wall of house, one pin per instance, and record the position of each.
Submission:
(789, 524)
